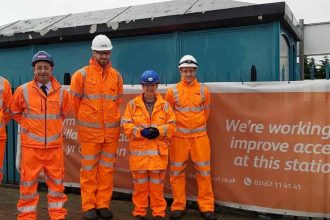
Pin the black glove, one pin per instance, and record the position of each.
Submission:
(146, 133)
(154, 132)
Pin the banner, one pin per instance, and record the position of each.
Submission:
(270, 147)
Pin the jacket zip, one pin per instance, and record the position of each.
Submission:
(46, 122)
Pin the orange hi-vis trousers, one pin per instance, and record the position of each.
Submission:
(51, 161)
(2, 155)
(148, 183)
(96, 174)
(198, 148)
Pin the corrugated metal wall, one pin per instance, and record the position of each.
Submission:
(225, 54)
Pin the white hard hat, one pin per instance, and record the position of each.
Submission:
(101, 43)
(188, 61)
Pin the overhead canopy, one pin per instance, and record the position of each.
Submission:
(145, 19)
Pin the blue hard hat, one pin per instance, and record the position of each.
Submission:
(42, 56)
(149, 77)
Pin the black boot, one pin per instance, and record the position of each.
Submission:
(104, 213)
(90, 215)
(177, 214)
(209, 215)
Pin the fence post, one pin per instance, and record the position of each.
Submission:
(67, 79)
(253, 73)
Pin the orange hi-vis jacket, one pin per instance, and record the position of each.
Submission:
(191, 105)
(40, 116)
(5, 99)
(97, 94)
(148, 154)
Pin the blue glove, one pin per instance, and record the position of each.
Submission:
(154, 132)
(146, 133)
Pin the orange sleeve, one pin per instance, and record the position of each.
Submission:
(167, 130)
(17, 105)
(66, 106)
(120, 90)
(130, 129)
(7, 98)
(207, 103)
(76, 91)
(169, 97)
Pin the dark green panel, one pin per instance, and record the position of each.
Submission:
(131, 56)
(228, 54)
(15, 65)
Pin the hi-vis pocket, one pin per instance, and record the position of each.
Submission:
(162, 149)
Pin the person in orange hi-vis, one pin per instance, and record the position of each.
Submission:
(40, 107)
(5, 99)
(190, 101)
(96, 92)
(149, 123)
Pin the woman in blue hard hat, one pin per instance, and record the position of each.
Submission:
(149, 123)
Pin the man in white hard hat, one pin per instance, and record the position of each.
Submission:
(96, 92)
(190, 101)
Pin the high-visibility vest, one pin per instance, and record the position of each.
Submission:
(191, 105)
(148, 154)
(97, 94)
(40, 116)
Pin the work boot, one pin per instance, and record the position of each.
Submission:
(138, 217)
(159, 217)
(209, 215)
(176, 214)
(90, 215)
(104, 213)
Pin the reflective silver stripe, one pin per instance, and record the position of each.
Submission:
(28, 183)
(55, 181)
(108, 155)
(126, 121)
(201, 164)
(172, 122)
(38, 138)
(140, 181)
(26, 96)
(144, 152)
(190, 131)
(90, 157)
(7, 110)
(165, 130)
(135, 130)
(89, 124)
(88, 167)
(140, 171)
(204, 173)
(55, 193)
(112, 125)
(132, 103)
(155, 181)
(15, 113)
(176, 94)
(55, 205)
(166, 106)
(111, 97)
(176, 173)
(202, 92)
(93, 96)
(28, 196)
(42, 116)
(106, 164)
(76, 94)
(152, 125)
(27, 208)
(61, 98)
(190, 109)
(178, 164)
(1, 125)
